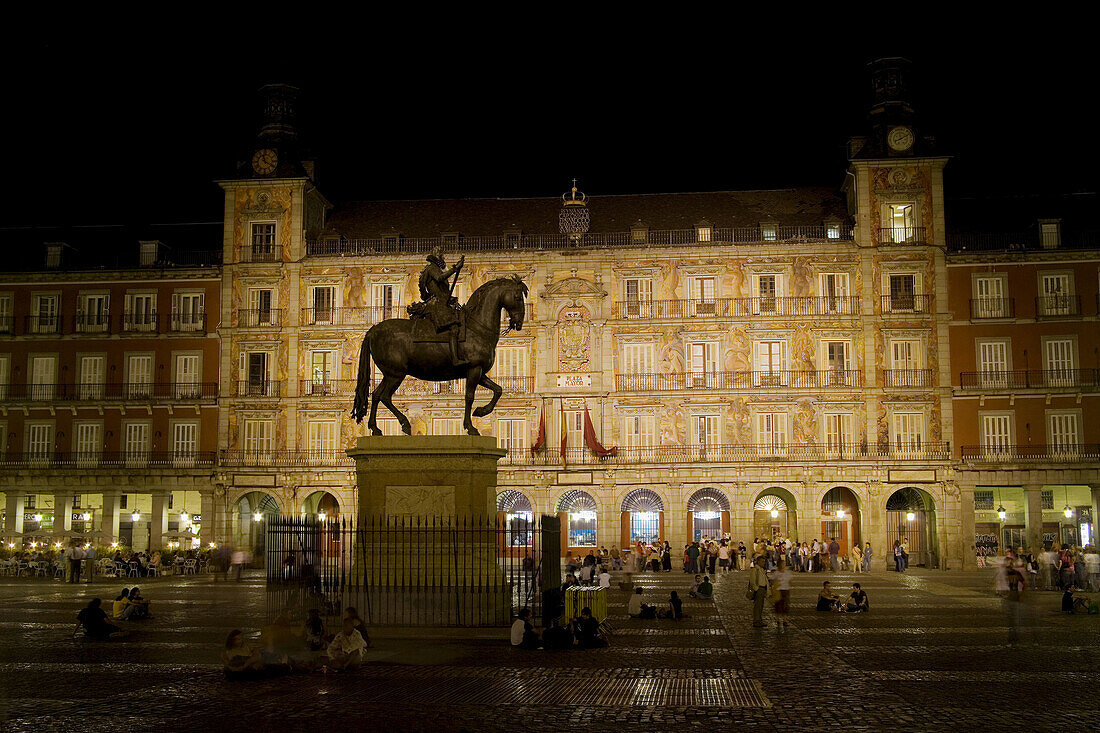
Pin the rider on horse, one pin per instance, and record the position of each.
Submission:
(438, 305)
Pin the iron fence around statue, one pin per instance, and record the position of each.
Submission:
(409, 571)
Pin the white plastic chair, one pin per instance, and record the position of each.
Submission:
(190, 566)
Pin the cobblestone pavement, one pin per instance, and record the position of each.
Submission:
(936, 652)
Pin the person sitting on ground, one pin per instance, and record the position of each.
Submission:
(313, 631)
(239, 659)
(523, 632)
(346, 650)
(95, 623)
(675, 607)
(705, 590)
(857, 600)
(141, 606)
(586, 574)
(605, 578)
(121, 608)
(360, 625)
(556, 636)
(694, 587)
(587, 630)
(635, 608)
(1072, 603)
(826, 599)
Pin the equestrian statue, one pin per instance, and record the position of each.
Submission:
(441, 340)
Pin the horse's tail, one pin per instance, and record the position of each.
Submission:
(362, 388)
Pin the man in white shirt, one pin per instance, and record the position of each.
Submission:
(758, 584)
(76, 558)
(89, 563)
(346, 649)
(605, 578)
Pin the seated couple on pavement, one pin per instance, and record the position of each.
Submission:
(702, 588)
(635, 608)
(856, 602)
(130, 605)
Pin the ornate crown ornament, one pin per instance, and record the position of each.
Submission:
(573, 220)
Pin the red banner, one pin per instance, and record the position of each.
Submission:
(590, 438)
(540, 441)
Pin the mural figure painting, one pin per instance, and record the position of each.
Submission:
(441, 340)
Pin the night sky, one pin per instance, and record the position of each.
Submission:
(136, 132)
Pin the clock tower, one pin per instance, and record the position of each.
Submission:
(892, 125)
(276, 152)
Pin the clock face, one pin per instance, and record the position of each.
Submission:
(264, 161)
(900, 138)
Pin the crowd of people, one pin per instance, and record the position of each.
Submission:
(285, 647)
(1053, 569)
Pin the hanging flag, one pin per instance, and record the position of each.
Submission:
(540, 441)
(561, 409)
(590, 438)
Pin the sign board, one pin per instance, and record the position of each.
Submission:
(574, 380)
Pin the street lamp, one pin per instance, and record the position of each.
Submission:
(322, 516)
(775, 513)
(1001, 513)
(910, 516)
(257, 517)
(184, 518)
(840, 514)
(135, 516)
(1068, 511)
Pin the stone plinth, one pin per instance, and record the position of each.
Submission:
(426, 475)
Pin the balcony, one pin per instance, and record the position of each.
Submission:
(350, 316)
(258, 388)
(729, 453)
(7, 324)
(907, 378)
(1059, 379)
(42, 325)
(781, 379)
(991, 308)
(92, 323)
(117, 392)
(340, 247)
(901, 235)
(108, 459)
(187, 322)
(906, 303)
(328, 457)
(259, 318)
(143, 322)
(999, 454)
(1054, 306)
(816, 305)
(259, 253)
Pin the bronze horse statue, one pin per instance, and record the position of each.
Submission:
(402, 347)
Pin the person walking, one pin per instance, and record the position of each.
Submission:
(897, 557)
(781, 578)
(76, 558)
(867, 555)
(834, 554)
(758, 587)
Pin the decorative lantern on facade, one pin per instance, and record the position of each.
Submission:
(574, 218)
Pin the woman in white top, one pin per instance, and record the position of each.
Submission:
(724, 557)
(781, 580)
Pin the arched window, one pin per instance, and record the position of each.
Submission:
(580, 508)
(645, 507)
(518, 517)
(513, 502)
(643, 500)
(706, 507)
(769, 502)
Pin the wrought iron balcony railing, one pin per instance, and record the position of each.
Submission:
(901, 235)
(92, 323)
(1052, 306)
(781, 379)
(983, 308)
(729, 453)
(42, 325)
(351, 316)
(107, 459)
(259, 253)
(259, 317)
(815, 305)
(146, 322)
(1031, 379)
(1065, 453)
(333, 457)
(908, 378)
(187, 321)
(7, 324)
(114, 392)
(258, 388)
(906, 303)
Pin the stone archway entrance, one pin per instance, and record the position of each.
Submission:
(841, 518)
(251, 513)
(775, 514)
(911, 519)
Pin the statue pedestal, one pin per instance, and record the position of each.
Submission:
(427, 541)
(426, 475)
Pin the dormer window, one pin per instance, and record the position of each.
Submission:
(703, 231)
(512, 238)
(832, 230)
(639, 233)
(149, 253)
(768, 232)
(53, 255)
(1050, 234)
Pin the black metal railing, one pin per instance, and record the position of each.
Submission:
(107, 459)
(326, 387)
(118, 391)
(1068, 453)
(814, 305)
(981, 308)
(901, 235)
(258, 253)
(259, 317)
(7, 324)
(140, 322)
(348, 316)
(908, 378)
(1031, 379)
(1021, 241)
(906, 303)
(648, 238)
(1049, 306)
(42, 325)
(465, 571)
(786, 378)
(92, 323)
(187, 322)
(258, 388)
(285, 458)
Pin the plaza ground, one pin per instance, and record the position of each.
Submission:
(934, 653)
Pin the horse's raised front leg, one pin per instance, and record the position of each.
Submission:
(497, 391)
(384, 393)
(473, 377)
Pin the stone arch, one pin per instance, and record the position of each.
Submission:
(641, 518)
(578, 512)
(708, 514)
(250, 510)
(643, 500)
(511, 500)
(321, 502)
(775, 513)
(711, 494)
(576, 500)
(842, 517)
(911, 520)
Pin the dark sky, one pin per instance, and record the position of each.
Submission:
(100, 131)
